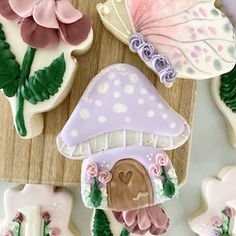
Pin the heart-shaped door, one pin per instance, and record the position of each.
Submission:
(130, 187)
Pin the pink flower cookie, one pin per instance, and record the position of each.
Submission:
(37, 210)
(39, 40)
(217, 217)
(188, 38)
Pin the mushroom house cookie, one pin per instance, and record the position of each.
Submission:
(224, 94)
(37, 210)
(121, 128)
(190, 39)
(217, 216)
(39, 40)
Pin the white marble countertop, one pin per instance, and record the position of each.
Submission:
(210, 152)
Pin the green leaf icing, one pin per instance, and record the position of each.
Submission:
(96, 194)
(124, 232)
(168, 186)
(9, 67)
(45, 83)
(228, 89)
(101, 224)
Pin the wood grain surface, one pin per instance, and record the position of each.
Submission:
(37, 160)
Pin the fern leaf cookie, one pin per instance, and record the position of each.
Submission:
(37, 40)
(37, 210)
(190, 39)
(217, 216)
(224, 94)
(121, 128)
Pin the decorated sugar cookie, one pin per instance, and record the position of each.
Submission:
(229, 7)
(224, 94)
(217, 215)
(37, 41)
(189, 38)
(121, 128)
(37, 210)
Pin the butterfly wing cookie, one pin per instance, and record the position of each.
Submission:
(217, 215)
(174, 36)
(37, 57)
(37, 210)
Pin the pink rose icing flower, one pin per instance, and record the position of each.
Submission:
(46, 216)
(92, 170)
(217, 221)
(229, 212)
(55, 231)
(8, 232)
(104, 176)
(44, 22)
(162, 159)
(155, 169)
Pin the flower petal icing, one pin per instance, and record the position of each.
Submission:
(66, 13)
(44, 14)
(23, 8)
(7, 12)
(37, 36)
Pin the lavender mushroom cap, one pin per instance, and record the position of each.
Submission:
(121, 107)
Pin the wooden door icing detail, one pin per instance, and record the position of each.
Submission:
(130, 187)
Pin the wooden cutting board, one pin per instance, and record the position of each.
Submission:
(37, 160)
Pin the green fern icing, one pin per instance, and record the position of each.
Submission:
(101, 224)
(45, 82)
(228, 89)
(9, 67)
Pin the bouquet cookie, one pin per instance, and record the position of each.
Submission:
(37, 41)
(121, 128)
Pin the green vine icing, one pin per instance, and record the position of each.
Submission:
(228, 89)
(101, 224)
(124, 232)
(96, 194)
(15, 81)
(168, 186)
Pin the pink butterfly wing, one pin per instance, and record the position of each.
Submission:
(197, 38)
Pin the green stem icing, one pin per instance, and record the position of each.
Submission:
(26, 67)
(19, 230)
(96, 195)
(168, 186)
(101, 224)
(124, 232)
(228, 89)
(44, 228)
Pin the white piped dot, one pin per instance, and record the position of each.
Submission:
(98, 103)
(106, 10)
(141, 101)
(117, 82)
(150, 159)
(102, 165)
(160, 106)
(151, 97)
(103, 162)
(164, 116)
(120, 108)
(116, 94)
(133, 77)
(143, 91)
(173, 125)
(74, 133)
(108, 166)
(127, 119)
(102, 119)
(129, 89)
(150, 113)
(85, 114)
(111, 75)
(103, 88)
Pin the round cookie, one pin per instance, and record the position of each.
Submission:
(217, 215)
(173, 37)
(37, 63)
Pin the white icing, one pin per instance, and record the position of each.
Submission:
(98, 103)
(85, 114)
(33, 113)
(164, 116)
(116, 94)
(129, 89)
(74, 133)
(117, 82)
(102, 119)
(143, 91)
(150, 113)
(172, 125)
(103, 88)
(133, 77)
(141, 101)
(160, 106)
(111, 75)
(120, 108)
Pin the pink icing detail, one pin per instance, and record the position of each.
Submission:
(55, 231)
(92, 170)
(155, 169)
(45, 216)
(152, 219)
(229, 212)
(193, 36)
(8, 232)
(213, 30)
(104, 176)
(203, 12)
(162, 159)
(216, 221)
(197, 48)
(195, 14)
(200, 30)
(220, 48)
(194, 55)
(54, 18)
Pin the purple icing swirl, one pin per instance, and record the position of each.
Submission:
(159, 62)
(215, 233)
(135, 42)
(146, 51)
(167, 75)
